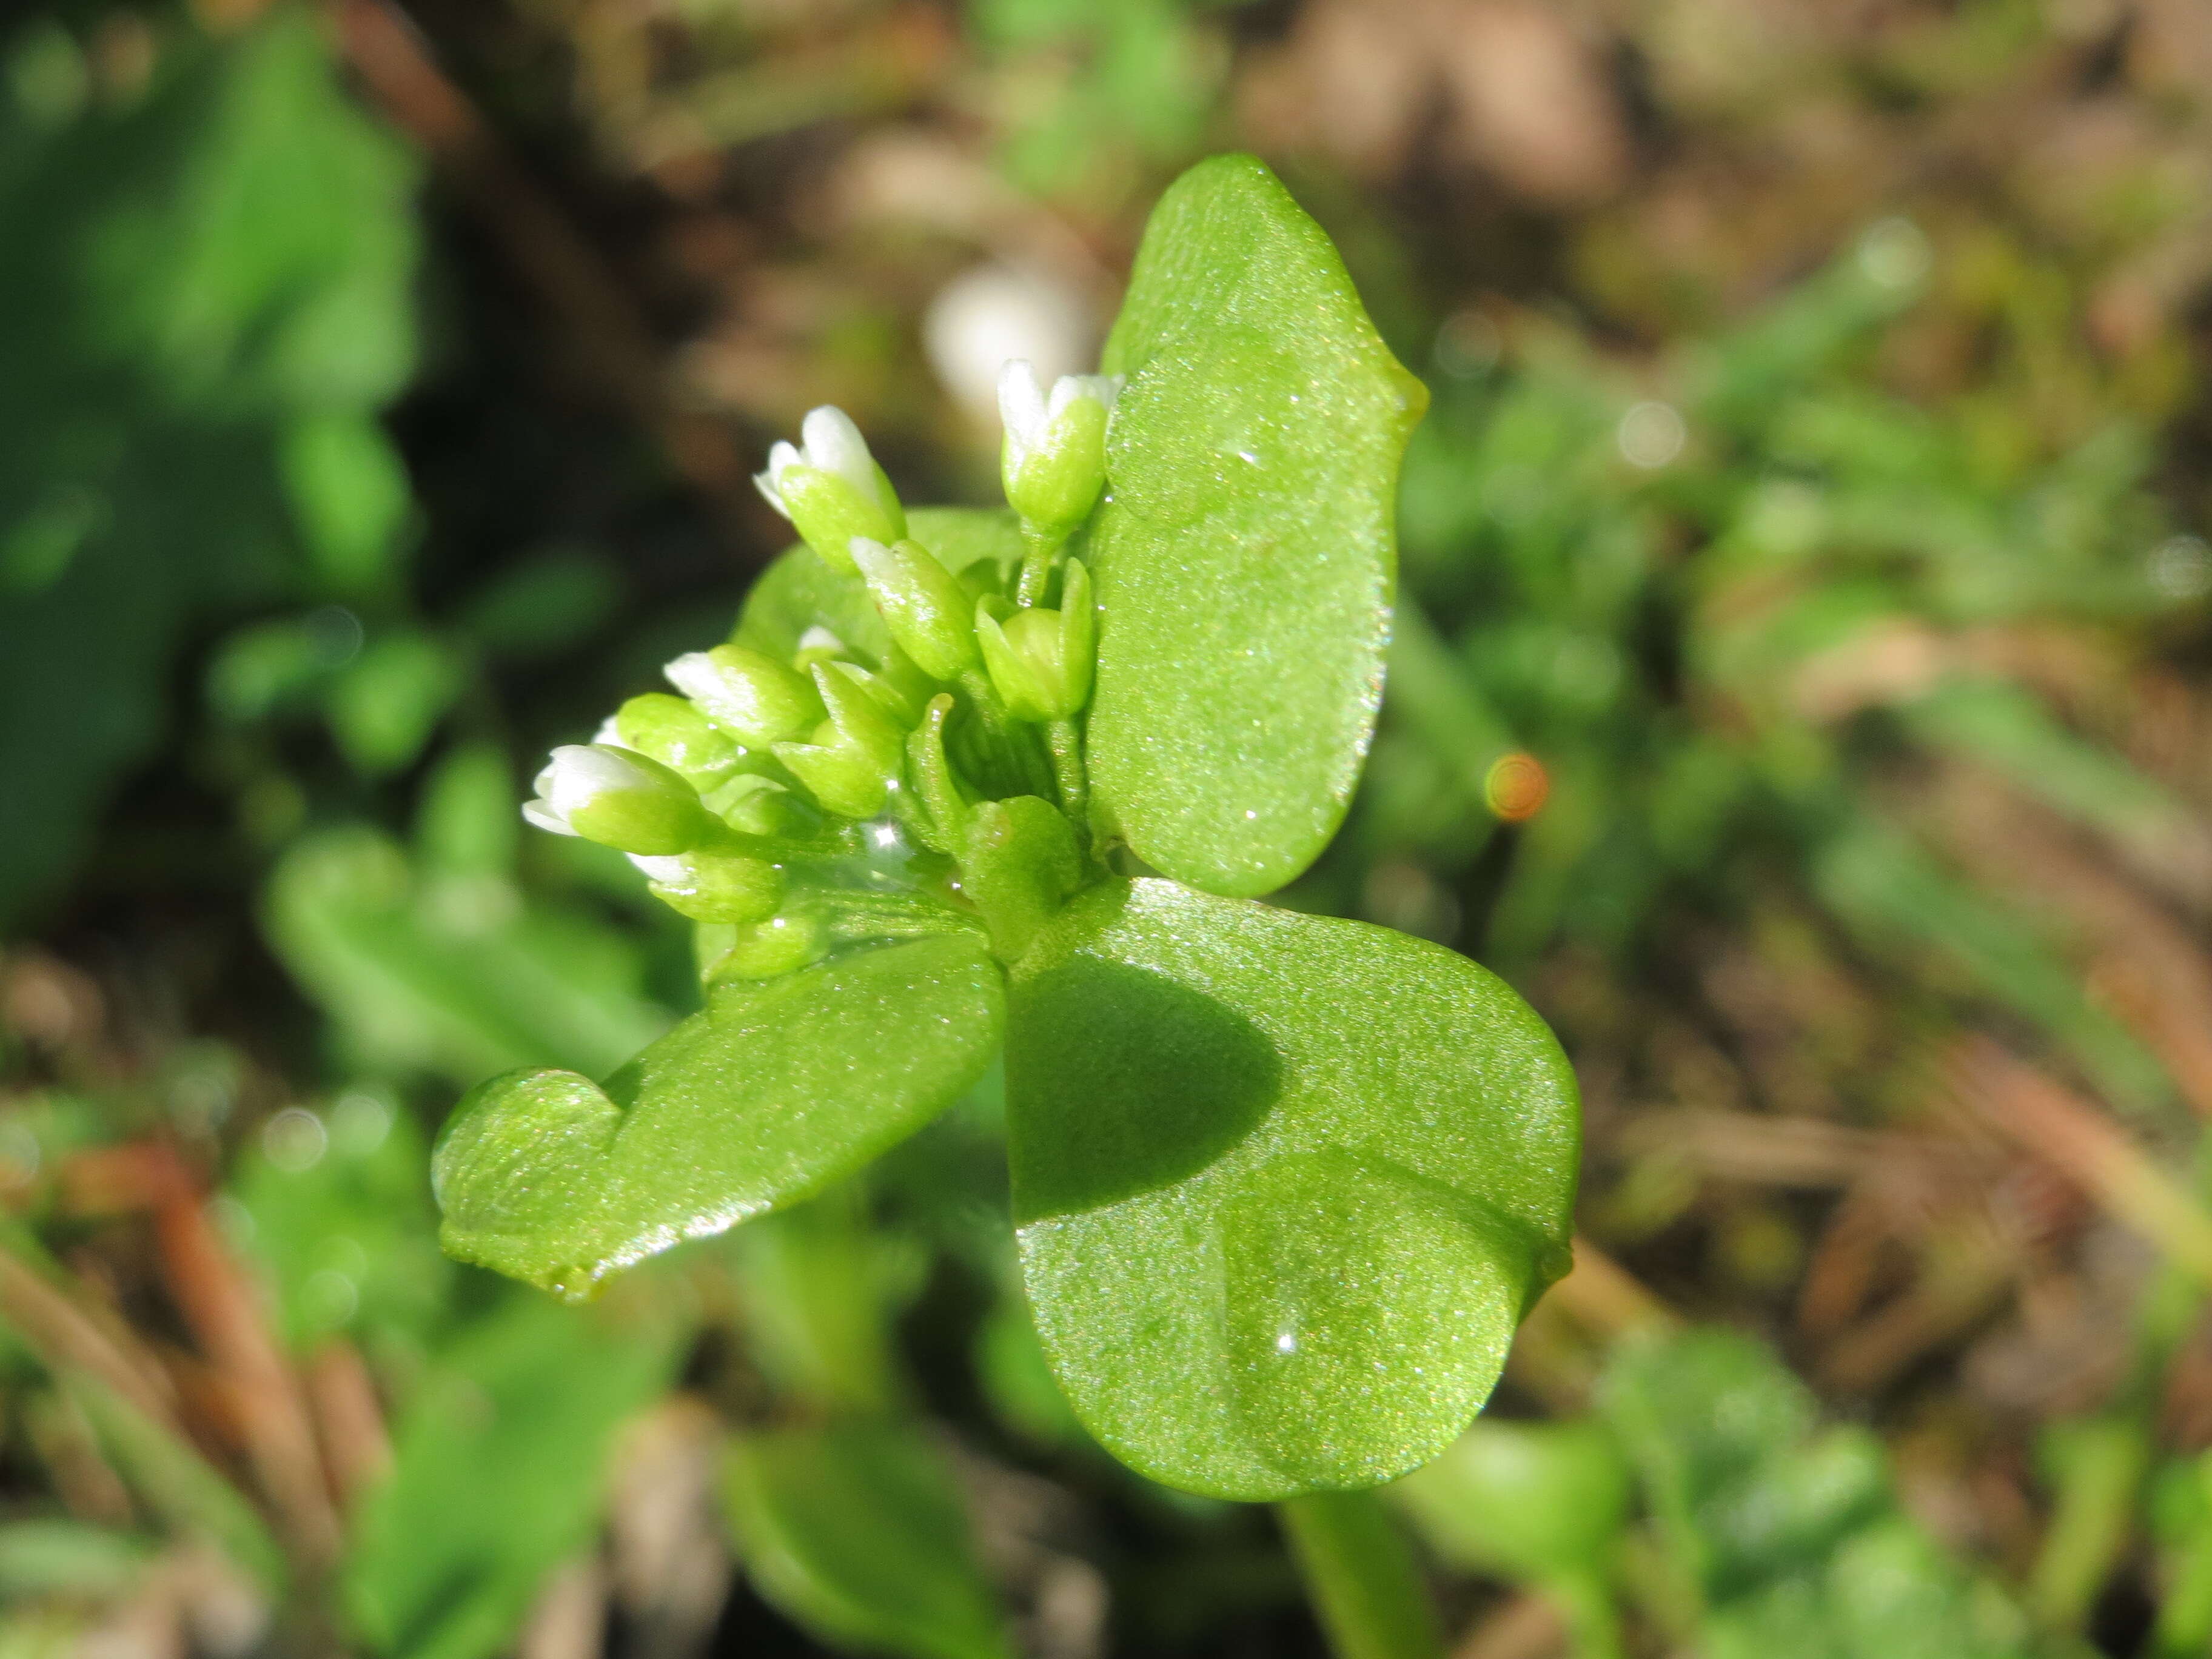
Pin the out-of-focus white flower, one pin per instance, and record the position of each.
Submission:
(994, 311)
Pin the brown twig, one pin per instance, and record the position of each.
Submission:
(349, 1418)
(66, 1339)
(226, 1315)
(2082, 1143)
(1527, 1627)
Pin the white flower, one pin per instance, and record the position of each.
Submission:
(577, 774)
(829, 442)
(672, 867)
(1029, 413)
(610, 733)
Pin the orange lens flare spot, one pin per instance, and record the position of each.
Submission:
(1517, 787)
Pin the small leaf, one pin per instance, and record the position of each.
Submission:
(1244, 556)
(1541, 1500)
(1356, 1149)
(764, 1097)
(857, 1533)
(800, 592)
(497, 1475)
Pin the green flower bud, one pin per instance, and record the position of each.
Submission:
(752, 805)
(619, 799)
(1040, 660)
(819, 644)
(830, 488)
(944, 802)
(676, 732)
(767, 950)
(1054, 464)
(853, 763)
(715, 887)
(923, 604)
(748, 691)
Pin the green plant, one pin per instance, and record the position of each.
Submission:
(912, 831)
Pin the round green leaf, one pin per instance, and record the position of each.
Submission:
(1283, 1185)
(765, 1096)
(1244, 554)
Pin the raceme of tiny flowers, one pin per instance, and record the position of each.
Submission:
(750, 796)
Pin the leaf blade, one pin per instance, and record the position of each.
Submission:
(1245, 556)
(1358, 1148)
(766, 1096)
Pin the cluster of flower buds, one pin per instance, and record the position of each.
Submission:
(758, 768)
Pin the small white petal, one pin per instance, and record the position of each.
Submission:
(1021, 409)
(1068, 387)
(539, 813)
(695, 675)
(659, 869)
(765, 483)
(782, 456)
(867, 553)
(581, 774)
(609, 733)
(821, 639)
(834, 444)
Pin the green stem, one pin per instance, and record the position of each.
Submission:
(1037, 565)
(1361, 1578)
(1068, 770)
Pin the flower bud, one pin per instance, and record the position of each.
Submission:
(853, 760)
(676, 732)
(619, 799)
(830, 488)
(1040, 660)
(944, 802)
(766, 950)
(923, 604)
(819, 644)
(748, 691)
(752, 805)
(715, 887)
(1054, 464)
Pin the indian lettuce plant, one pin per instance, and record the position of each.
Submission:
(966, 784)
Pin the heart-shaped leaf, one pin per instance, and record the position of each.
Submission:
(1283, 1185)
(765, 1096)
(1244, 554)
(799, 591)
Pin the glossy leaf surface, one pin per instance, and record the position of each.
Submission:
(1284, 1184)
(1244, 554)
(857, 1533)
(765, 1096)
(800, 592)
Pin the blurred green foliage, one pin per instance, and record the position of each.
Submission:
(1749, 603)
(178, 449)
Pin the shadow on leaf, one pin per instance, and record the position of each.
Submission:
(1130, 1081)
